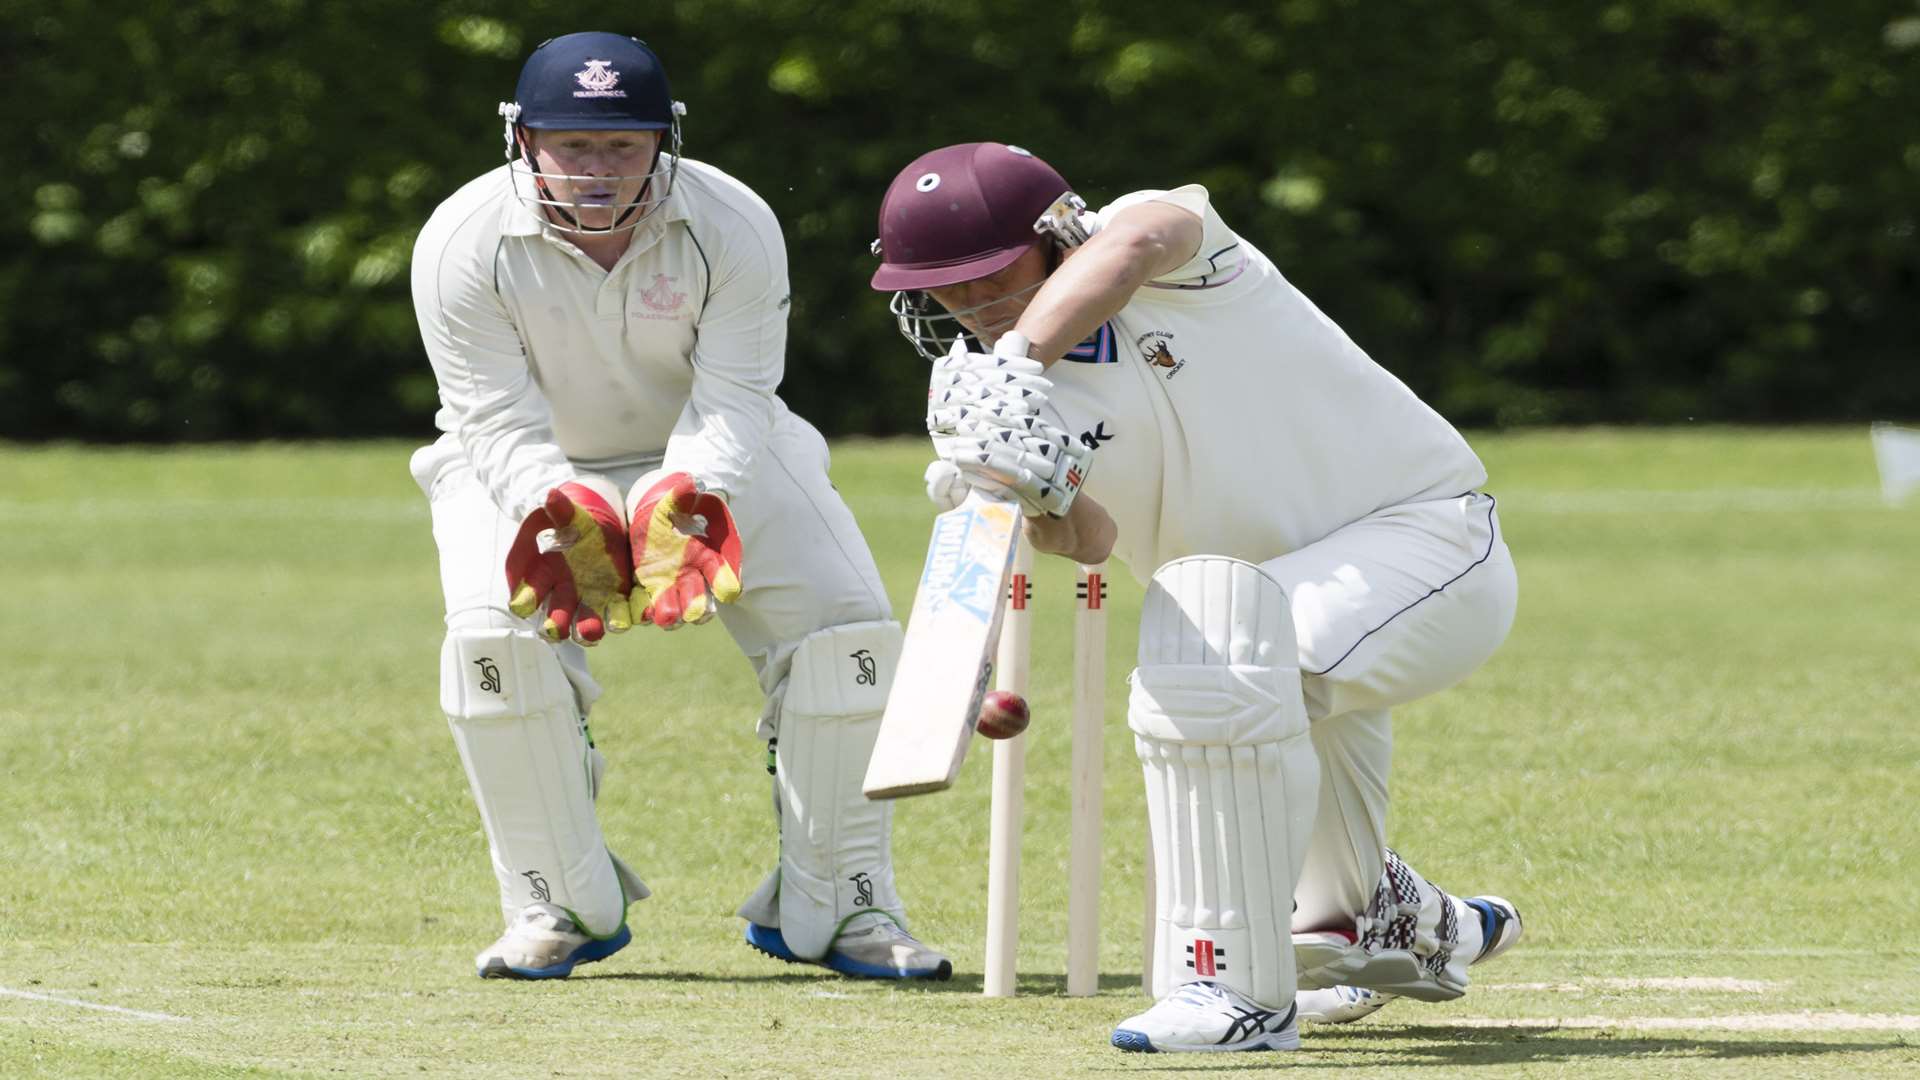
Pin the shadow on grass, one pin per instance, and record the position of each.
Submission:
(1448, 1047)
(962, 982)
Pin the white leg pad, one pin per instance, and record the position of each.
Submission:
(1232, 781)
(1413, 940)
(523, 741)
(836, 859)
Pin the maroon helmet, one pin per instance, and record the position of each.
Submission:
(964, 212)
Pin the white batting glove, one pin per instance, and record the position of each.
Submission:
(1031, 462)
(945, 485)
(1005, 382)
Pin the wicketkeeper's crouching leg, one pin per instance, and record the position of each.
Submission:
(832, 900)
(521, 730)
(1221, 729)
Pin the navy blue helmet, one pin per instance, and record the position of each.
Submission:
(593, 81)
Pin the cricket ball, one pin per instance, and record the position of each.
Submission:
(1003, 714)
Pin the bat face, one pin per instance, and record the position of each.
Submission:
(947, 658)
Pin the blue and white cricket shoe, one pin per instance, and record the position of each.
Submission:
(880, 949)
(1208, 1017)
(1500, 927)
(1340, 1004)
(543, 942)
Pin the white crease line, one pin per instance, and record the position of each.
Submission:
(344, 509)
(1683, 984)
(1800, 1021)
(1702, 501)
(1811, 951)
(75, 1002)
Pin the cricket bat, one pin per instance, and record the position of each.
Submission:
(947, 657)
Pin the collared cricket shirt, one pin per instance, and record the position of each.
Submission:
(1231, 417)
(549, 365)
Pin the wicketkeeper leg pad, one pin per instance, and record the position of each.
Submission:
(1232, 781)
(523, 740)
(1414, 940)
(836, 859)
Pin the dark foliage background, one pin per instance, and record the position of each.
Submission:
(1549, 211)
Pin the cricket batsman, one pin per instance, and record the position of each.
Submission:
(607, 323)
(1313, 538)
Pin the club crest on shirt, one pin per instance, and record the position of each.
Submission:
(1155, 350)
(662, 300)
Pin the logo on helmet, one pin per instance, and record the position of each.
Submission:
(598, 81)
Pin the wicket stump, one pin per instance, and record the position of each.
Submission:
(1012, 668)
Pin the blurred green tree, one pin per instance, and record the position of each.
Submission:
(1531, 211)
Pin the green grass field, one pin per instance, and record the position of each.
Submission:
(237, 840)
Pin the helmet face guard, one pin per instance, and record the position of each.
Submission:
(564, 214)
(932, 329)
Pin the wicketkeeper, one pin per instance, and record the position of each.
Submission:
(607, 323)
(1314, 542)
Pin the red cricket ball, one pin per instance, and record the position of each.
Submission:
(1003, 714)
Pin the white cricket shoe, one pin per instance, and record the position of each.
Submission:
(543, 942)
(1339, 1004)
(1208, 1016)
(878, 949)
(1500, 927)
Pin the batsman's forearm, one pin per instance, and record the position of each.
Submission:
(1095, 280)
(1086, 534)
(1087, 290)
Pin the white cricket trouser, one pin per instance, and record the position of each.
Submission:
(1391, 608)
(804, 564)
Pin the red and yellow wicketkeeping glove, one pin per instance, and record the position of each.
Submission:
(686, 552)
(572, 555)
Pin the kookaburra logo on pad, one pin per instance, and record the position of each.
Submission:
(489, 674)
(539, 883)
(597, 79)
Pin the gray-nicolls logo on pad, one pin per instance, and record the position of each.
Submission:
(539, 884)
(868, 674)
(489, 674)
(863, 886)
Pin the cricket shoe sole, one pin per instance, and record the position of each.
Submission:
(1340, 1004)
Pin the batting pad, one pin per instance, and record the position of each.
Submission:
(836, 860)
(523, 741)
(1232, 780)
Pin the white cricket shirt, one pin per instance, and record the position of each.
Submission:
(1232, 418)
(549, 365)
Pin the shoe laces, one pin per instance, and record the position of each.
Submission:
(1202, 995)
(545, 917)
(880, 927)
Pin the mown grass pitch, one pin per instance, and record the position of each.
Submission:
(237, 841)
